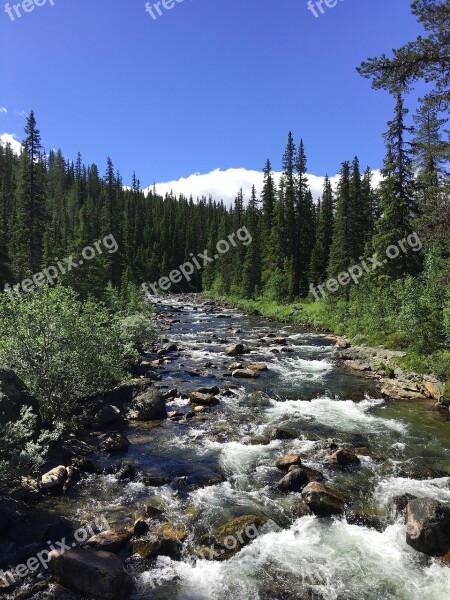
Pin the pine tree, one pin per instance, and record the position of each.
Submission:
(30, 216)
(251, 277)
(397, 200)
(305, 224)
(321, 252)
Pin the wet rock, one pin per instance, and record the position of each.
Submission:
(401, 502)
(300, 509)
(323, 501)
(140, 527)
(357, 518)
(258, 367)
(171, 348)
(428, 526)
(108, 414)
(234, 350)
(223, 316)
(286, 461)
(344, 457)
(286, 349)
(126, 472)
(148, 406)
(279, 341)
(282, 433)
(311, 474)
(228, 539)
(155, 479)
(294, 481)
(54, 478)
(236, 365)
(208, 390)
(245, 374)
(203, 399)
(60, 529)
(94, 574)
(112, 540)
(422, 473)
(115, 442)
(165, 540)
(171, 394)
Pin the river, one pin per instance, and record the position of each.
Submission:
(317, 402)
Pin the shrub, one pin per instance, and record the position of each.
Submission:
(138, 329)
(62, 348)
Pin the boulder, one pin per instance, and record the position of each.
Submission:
(13, 397)
(286, 461)
(148, 406)
(112, 540)
(208, 390)
(236, 365)
(234, 350)
(60, 529)
(165, 540)
(54, 478)
(228, 539)
(115, 442)
(108, 414)
(203, 399)
(344, 457)
(258, 367)
(245, 374)
(323, 501)
(99, 575)
(294, 481)
(428, 526)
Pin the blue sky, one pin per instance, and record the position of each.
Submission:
(210, 84)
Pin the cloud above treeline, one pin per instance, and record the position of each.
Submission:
(10, 138)
(224, 185)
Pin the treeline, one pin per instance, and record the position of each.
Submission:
(51, 208)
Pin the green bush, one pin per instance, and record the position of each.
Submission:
(138, 329)
(62, 348)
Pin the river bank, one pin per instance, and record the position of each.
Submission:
(377, 362)
(246, 460)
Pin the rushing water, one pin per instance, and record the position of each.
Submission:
(309, 393)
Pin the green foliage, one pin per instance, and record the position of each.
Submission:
(22, 449)
(139, 330)
(62, 348)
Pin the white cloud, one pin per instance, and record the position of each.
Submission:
(3, 110)
(224, 185)
(12, 139)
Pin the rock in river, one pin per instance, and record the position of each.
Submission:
(148, 406)
(115, 442)
(234, 350)
(245, 374)
(294, 481)
(344, 457)
(323, 501)
(428, 526)
(203, 399)
(284, 462)
(54, 478)
(228, 539)
(93, 574)
(112, 540)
